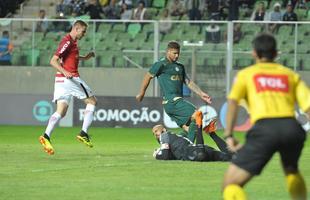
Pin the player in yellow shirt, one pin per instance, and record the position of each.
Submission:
(271, 92)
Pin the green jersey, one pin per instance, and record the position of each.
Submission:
(171, 76)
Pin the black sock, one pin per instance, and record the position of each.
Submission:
(220, 143)
(83, 134)
(46, 136)
(199, 137)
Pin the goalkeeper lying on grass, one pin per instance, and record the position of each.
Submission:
(177, 147)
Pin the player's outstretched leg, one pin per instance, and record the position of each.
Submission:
(198, 120)
(46, 143)
(45, 138)
(88, 118)
(193, 126)
(191, 135)
(211, 127)
(220, 143)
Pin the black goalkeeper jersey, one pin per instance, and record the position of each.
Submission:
(176, 147)
(179, 147)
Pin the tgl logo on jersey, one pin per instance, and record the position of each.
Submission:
(277, 83)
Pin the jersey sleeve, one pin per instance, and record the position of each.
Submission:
(164, 152)
(63, 47)
(185, 76)
(238, 90)
(302, 94)
(155, 69)
(164, 138)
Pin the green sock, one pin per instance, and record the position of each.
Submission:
(192, 131)
(183, 133)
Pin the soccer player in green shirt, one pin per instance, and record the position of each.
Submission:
(171, 76)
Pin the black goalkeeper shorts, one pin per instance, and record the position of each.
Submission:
(267, 136)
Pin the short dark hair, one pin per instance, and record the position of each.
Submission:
(265, 46)
(81, 23)
(142, 2)
(173, 45)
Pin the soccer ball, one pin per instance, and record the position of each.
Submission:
(208, 115)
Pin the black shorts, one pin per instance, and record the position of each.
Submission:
(205, 153)
(267, 136)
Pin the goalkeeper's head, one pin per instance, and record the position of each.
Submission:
(158, 130)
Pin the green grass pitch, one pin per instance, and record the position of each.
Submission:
(120, 166)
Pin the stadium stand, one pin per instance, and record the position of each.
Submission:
(124, 44)
(9, 7)
(113, 38)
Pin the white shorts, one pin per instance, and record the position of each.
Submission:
(65, 89)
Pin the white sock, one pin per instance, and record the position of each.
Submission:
(88, 116)
(54, 119)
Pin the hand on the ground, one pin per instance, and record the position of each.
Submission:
(156, 152)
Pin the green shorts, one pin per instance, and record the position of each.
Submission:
(179, 111)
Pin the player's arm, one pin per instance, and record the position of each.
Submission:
(163, 153)
(237, 93)
(145, 83)
(63, 48)
(231, 117)
(55, 62)
(195, 88)
(308, 114)
(303, 96)
(232, 144)
(88, 56)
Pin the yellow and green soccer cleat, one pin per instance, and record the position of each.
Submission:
(85, 140)
(47, 146)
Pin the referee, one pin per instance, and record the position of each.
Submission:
(271, 92)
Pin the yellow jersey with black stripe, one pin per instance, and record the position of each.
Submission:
(270, 91)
